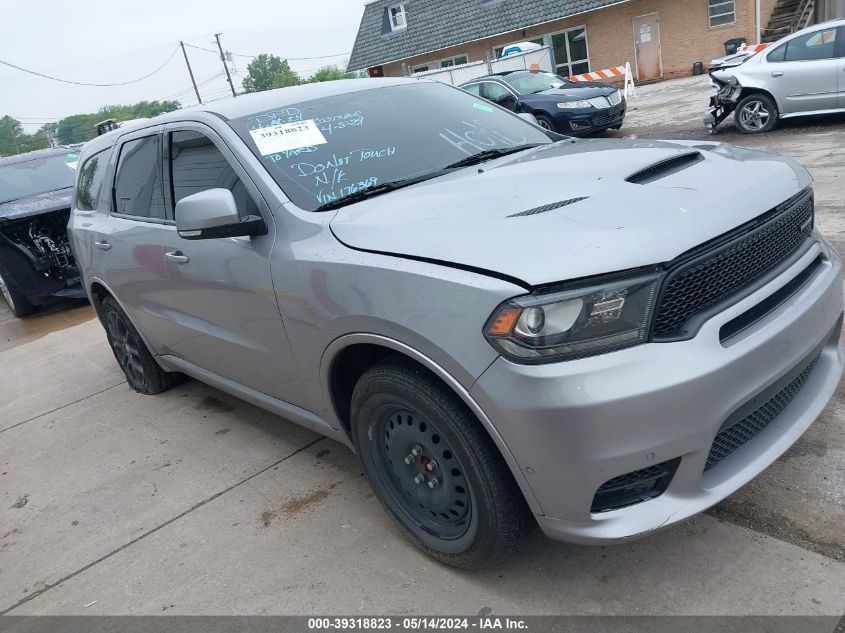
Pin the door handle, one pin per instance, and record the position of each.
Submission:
(103, 246)
(177, 257)
(777, 73)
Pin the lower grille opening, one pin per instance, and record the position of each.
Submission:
(767, 305)
(634, 487)
(751, 424)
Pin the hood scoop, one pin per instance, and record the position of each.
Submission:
(547, 207)
(665, 168)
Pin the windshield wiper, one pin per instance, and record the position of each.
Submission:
(490, 154)
(377, 190)
(393, 185)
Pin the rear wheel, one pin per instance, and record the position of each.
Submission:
(17, 303)
(434, 468)
(142, 371)
(755, 113)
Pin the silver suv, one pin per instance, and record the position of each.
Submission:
(508, 326)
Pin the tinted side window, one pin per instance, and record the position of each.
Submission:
(812, 46)
(778, 54)
(91, 181)
(495, 92)
(197, 165)
(137, 186)
(474, 89)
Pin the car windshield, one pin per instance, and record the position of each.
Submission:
(37, 175)
(530, 83)
(322, 151)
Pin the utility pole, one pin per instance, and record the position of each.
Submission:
(190, 72)
(225, 67)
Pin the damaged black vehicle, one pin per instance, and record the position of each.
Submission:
(36, 263)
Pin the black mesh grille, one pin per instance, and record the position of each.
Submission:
(714, 277)
(605, 118)
(634, 487)
(733, 437)
(547, 207)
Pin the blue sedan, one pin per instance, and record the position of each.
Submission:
(560, 105)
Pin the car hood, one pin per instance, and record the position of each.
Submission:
(467, 218)
(36, 205)
(587, 90)
(731, 61)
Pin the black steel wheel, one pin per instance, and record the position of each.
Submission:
(434, 468)
(426, 480)
(142, 372)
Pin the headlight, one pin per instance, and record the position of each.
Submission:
(574, 104)
(573, 323)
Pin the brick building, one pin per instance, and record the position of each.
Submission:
(660, 38)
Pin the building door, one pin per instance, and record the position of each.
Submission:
(647, 47)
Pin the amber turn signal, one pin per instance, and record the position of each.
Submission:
(504, 321)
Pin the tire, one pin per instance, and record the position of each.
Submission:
(544, 122)
(142, 372)
(409, 430)
(18, 304)
(755, 113)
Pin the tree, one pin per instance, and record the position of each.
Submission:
(268, 71)
(79, 128)
(13, 140)
(11, 134)
(330, 73)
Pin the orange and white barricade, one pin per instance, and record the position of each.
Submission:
(611, 73)
(754, 48)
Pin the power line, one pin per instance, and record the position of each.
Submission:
(82, 83)
(293, 59)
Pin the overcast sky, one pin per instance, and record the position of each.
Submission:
(108, 41)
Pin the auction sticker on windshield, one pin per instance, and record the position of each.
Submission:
(284, 137)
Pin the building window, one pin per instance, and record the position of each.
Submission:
(571, 54)
(396, 15)
(453, 61)
(721, 12)
(498, 50)
(443, 63)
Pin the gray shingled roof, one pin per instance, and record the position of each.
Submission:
(436, 24)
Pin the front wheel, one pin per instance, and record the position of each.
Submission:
(544, 122)
(755, 113)
(434, 468)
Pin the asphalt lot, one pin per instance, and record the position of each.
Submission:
(195, 503)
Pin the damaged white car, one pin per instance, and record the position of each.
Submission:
(799, 75)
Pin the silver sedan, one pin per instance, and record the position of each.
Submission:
(804, 73)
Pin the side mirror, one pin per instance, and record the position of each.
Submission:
(528, 117)
(508, 101)
(213, 214)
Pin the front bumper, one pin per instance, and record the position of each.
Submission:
(577, 122)
(573, 426)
